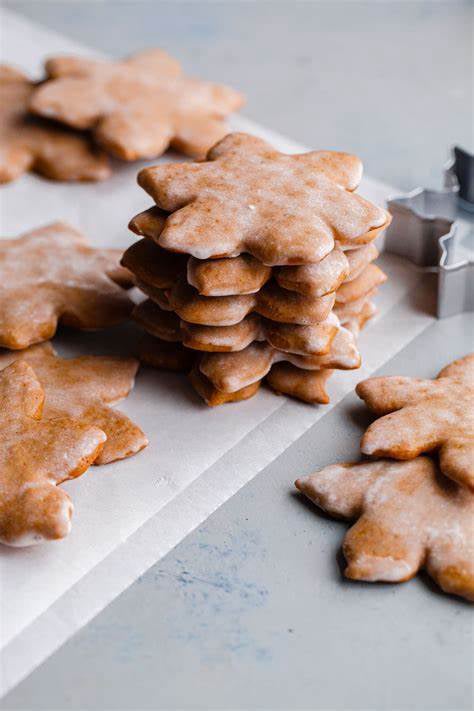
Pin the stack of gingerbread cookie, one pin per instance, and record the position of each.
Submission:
(256, 265)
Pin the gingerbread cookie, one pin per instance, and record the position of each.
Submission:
(165, 355)
(226, 277)
(247, 197)
(425, 415)
(29, 143)
(408, 517)
(149, 223)
(359, 258)
(356, 322)
(306, 385)
(84, 388)
(152, 265)
(36, 454)
(301, 340)
(138, 107)
(313, 340)
(352, 310)
(369, 279)
(51, 274)
(237, 275)
(316, 279)
(222, 339)
(229, 372)
(158, 322)
(212, 396)
(216, 277)
(271, 301)
(159, 296)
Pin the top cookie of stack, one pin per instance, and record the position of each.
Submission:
(252, 255)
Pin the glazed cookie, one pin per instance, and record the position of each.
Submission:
(210, 277)
(28, 143)
(36, 454)
(229, 372)
(306, 385)
(152, 265)
(359, 258)
(212, 396)
(352, 310)
(301, 340)
(408, 517)
(247, 197)
(243, 274)
(138, 107)
(369, 279)
(271, 301)
(316, 279)
(52, 275)
(84, 388)
(425, 415)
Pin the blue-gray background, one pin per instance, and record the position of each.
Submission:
(250, 610)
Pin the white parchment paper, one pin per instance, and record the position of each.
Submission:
(129, 514)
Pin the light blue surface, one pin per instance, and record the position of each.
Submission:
(250, 611)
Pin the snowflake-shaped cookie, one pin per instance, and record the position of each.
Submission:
(408, 517)
(51, 274)
(138, 107)
(84, 388)
(36, 454)
(248, 197)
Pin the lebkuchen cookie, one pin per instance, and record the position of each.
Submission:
(137, 107)
(257, 266)
(38, 145)
(52, 275)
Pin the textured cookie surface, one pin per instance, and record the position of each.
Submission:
(243, 274)
(424, 415)
(138, 107)
(213, 397)
(369, 279)
(232, 371)
(306, 385)
(51, 274)
(36, 454)
(28, 143)
(271, 301)
(84, 388)
(408, 517)
(292, 338)
(247, 197)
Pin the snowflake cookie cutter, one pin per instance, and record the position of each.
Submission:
(435, 230)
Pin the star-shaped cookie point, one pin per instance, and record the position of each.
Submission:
(138, 107)
(52, 275)
(36, 454)
(408, 517)
(424, 415)
(29, 143)
(248, 197)
(84, 388)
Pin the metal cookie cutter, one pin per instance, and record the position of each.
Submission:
(435, 230)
